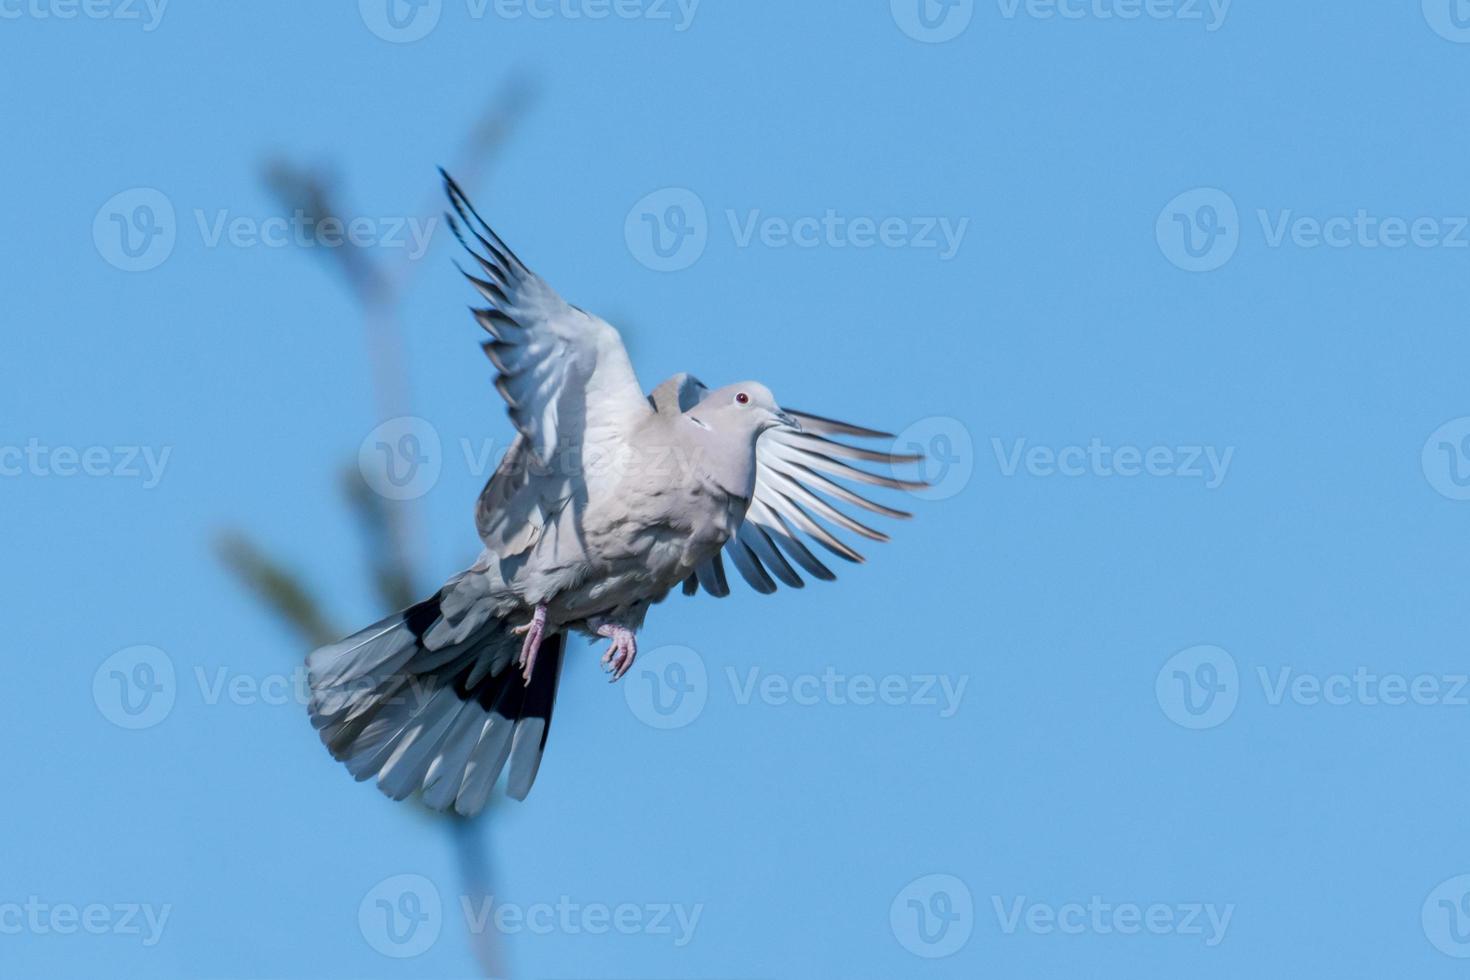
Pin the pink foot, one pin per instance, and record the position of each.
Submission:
(619, 656)
(532, 631)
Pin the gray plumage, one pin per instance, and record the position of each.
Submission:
(607, 500)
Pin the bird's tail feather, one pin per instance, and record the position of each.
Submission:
(427, 704)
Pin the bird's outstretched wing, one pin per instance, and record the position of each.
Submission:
(796, 498)
(565, 377)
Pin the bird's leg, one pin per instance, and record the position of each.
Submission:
(619, 656)
(532, 631)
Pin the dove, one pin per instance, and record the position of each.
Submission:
(607, 501)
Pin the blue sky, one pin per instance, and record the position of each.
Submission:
(1165, 678)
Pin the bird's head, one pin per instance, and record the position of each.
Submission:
(746, 407)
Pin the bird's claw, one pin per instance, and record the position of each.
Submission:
(533, 631)
(620, 655)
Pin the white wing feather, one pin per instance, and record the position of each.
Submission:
(795, 498)
(565, 377)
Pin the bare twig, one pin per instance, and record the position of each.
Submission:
(282, 592)
(391, 577)
(387, 527)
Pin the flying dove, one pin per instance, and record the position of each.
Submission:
(607, 500)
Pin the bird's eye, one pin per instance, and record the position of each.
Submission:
(742, 398)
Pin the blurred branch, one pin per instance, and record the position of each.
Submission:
(309, 193)
(279, 589)
(480, 148)
(379, 286)
(475, 883)
(391, 577)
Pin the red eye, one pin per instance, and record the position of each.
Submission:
(742, 398)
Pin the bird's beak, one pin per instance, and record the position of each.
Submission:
(788, 420)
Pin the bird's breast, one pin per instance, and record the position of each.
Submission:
(671, 532)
